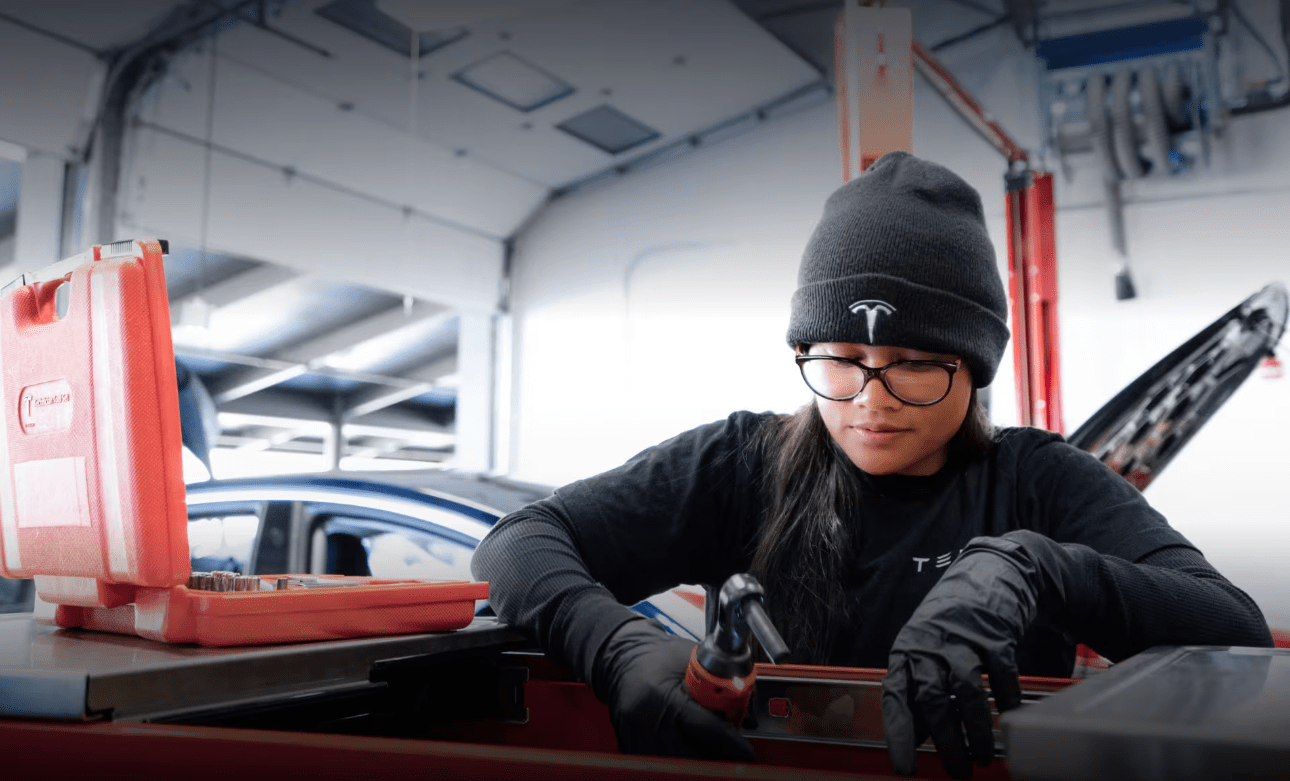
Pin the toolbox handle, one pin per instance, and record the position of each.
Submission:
(55, 271)
(64, 268)
(51, 300)
(50, 289)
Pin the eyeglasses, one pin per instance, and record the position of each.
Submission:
(919, 383)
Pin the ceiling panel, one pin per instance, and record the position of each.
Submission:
(98, 25)
(439, 397)
(263, 323)
(49, 111)
(258, 211)
(189, 270)
(322, 383)
(163, 194)
(676, 65)
(205, 367)
(266, 118)
(400, 350)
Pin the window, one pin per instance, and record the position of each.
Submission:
(343, 545)
(223, 542)
(17, 595)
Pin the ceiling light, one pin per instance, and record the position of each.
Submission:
(608, 129)
(514, 81)
(442, 14)
(364, 18)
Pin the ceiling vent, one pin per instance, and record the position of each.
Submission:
(609, 129)
(364, 18)
(512, 80)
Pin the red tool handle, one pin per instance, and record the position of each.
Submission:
(727, 696)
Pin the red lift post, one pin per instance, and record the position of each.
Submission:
(1032, 256)
(1032, 283)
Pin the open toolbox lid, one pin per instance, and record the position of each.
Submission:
(92, 495)
(91, 479)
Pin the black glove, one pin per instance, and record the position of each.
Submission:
(968, 625)
(640, 674)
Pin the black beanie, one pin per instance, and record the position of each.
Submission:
(902, 258)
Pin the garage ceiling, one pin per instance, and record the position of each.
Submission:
(285, 354)
(509, 104)
(470, 114)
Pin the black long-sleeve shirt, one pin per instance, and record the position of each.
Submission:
(688, 510)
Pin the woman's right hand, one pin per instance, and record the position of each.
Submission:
(641, 675)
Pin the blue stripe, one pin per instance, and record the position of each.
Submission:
(650, 611)
(1145, 40)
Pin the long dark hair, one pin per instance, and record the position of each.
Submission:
(800, 557)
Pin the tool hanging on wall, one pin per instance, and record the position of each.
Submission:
(1144, 99)
(1115, 148)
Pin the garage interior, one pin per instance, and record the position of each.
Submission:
(477, 235)
(526, 239)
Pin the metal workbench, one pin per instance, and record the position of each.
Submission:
(85, 700)
(75, 675)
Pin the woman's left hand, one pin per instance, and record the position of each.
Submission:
(967, 626)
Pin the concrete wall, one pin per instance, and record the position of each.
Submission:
(658, 302)
(1197, 248)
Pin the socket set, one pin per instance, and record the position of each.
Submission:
(223, 580)
(220, 580)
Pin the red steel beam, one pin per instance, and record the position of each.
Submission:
(1032, 255)
(962, 101)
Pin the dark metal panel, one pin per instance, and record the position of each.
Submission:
(75, 675)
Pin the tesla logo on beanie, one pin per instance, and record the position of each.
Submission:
(872, 308)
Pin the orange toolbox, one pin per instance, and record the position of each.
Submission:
(91, 483)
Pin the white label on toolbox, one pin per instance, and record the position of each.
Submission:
(109, 406)
(45, 407)
(51, 493)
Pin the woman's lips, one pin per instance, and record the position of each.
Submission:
(878, 433)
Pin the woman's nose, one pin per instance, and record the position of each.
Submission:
(875, 395)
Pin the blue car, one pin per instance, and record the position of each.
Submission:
(343, 526)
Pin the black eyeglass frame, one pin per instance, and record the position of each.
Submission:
(880, 374)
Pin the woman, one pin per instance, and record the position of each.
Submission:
(890, 526)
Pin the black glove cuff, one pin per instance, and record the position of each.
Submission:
(1064, 576)
(581, 628)
(616, 651)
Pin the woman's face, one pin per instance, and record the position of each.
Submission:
(881, 434)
